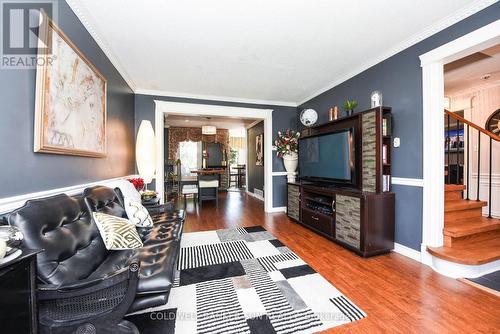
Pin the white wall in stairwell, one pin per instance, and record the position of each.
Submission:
(479, 103)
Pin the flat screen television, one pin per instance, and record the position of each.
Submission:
(328, 158)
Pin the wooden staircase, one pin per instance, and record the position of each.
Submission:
(469, 238)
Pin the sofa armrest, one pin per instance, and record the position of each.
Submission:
(82, 287)
(100, 303)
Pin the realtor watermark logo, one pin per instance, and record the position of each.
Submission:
(24, 43)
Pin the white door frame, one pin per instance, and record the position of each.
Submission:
(164, 107)
(432, 64)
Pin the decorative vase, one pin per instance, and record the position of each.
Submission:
(291, 160)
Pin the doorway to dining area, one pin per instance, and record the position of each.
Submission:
(205, 156)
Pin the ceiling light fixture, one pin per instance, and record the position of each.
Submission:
(208, 130)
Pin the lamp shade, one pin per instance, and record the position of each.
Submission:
(145, 151)
(208, 130)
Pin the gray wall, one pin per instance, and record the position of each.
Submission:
(255, 174)
(23, 171)
(399, 78)
(283, 117)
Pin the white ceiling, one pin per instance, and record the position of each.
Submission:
(199, 121)
(267, 51)
(474, 72)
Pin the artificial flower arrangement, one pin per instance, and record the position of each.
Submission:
(137, 182)
(287, 143)
(146, 195)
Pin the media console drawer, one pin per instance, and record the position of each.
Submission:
(317, 221)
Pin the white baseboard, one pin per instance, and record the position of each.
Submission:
(407, 251)
(255, 195)
(278, 209)
(8, 204)
(457, 270)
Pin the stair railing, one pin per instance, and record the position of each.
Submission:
(480, 131)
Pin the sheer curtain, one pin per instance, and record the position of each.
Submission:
(190, 156)
(239, 144)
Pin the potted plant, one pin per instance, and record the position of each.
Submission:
(287, 146)
(233, 157)
(349, 106)
(148, 196)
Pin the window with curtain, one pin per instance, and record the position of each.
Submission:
(190, 156)
(238, 144)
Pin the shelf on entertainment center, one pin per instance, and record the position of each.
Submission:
(317, 201)
(321, 214)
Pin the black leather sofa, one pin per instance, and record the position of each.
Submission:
(75, 269)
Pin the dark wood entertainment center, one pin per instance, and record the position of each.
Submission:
(359, 218)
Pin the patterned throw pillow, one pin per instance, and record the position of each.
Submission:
(137, 213)
(117, 233)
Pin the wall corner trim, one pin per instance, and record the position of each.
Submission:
(408, 252)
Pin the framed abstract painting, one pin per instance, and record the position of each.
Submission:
(70, 103)
(259, 150)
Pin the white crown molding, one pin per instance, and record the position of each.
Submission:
(8, 204)
(403, 181)
(213, 97)
(87, 21)
(457, 16)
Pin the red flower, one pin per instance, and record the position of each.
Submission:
(138, 183)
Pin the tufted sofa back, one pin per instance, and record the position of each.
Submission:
(62, 227)
(105, 200)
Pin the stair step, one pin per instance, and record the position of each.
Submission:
(450, 241)
(462, 205)
(462, 228)
(453, 192)
(469, 253)
(454, 187)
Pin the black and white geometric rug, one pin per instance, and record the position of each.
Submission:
(245, 280)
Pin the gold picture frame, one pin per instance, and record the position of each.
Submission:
(70, 102)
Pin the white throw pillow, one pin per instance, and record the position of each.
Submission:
(137, 213)
(117, 233)
(128, 190)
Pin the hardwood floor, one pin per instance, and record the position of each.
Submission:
(398, 294)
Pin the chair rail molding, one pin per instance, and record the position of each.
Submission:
(179, 108)
(404, 181)
(8, 204)
(432, 64)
